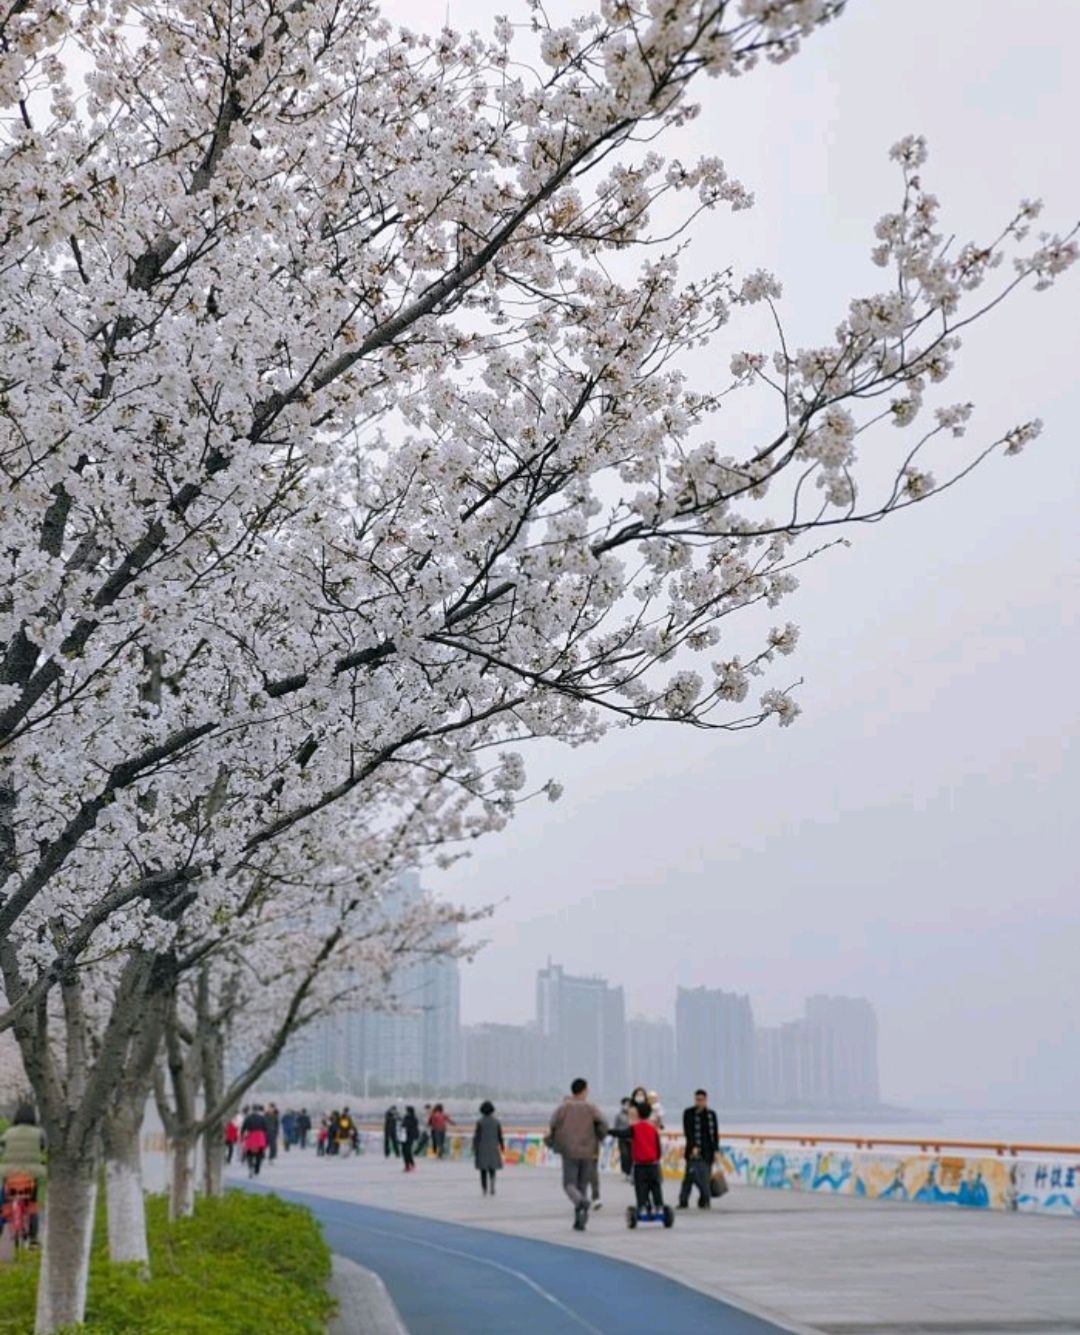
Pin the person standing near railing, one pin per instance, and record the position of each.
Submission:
(391, 1144)
(439, 1121)
(408, 1135)
(701, 1132)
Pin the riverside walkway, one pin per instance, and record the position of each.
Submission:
(795, 1262)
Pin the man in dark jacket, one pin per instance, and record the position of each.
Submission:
(702, 1134)
(390, 1130)
(303, 1127)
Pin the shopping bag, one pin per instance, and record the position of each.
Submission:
(718, 1183)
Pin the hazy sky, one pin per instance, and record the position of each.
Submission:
(912, 837)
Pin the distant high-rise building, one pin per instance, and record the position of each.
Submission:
(828, 1059)
(714, 1045)
(582, 1022)
(842, 1033)
(781, 1064)
(440, 1022)
(650, 1048)
(415, 1039)
(504, 1058)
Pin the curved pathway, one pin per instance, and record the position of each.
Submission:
(449, 1279)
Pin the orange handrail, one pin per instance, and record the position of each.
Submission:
(937, 1144)
(925, 1143)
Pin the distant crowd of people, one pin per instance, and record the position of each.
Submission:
(576, 1131)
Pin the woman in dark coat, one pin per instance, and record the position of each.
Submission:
(488, 1146)
(408, 1134)
(390, 1133)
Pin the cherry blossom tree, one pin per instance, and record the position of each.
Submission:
(256, 996)
(314, 930)
(348, 432)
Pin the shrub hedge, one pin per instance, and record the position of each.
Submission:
(242, 1264)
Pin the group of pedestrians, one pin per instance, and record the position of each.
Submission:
(337, 1134)
(408, 1136)
(578, 1129)
(257, 1130)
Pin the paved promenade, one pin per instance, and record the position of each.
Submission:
(808, 1263)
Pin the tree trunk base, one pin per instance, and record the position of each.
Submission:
(65, 1260)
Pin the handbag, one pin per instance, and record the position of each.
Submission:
(718, 1183)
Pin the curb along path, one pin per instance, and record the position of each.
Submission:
(364, 1304)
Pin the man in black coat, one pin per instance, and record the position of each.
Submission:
(702, 1133)
(303, 1127)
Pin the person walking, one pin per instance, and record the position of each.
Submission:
(254, 1137)
(391, 1144)
(595, 1203)
(22, 1156)
(439, 1121)
(577, 1126)
(303, 1127)
(408, 1134)
(273, 1129)
(232, 1136)
(701, 1133)
(488, 1147)
(621, 1123)
(346, 1131)
(425, 1131)
(288, 1129)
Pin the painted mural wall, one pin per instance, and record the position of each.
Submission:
(980, 1183)
(1048, 1187)
(977, 1183)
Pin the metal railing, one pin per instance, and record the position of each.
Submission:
(809, 1140)
(925, 1144)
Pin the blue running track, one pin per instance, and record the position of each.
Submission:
(449, 1279)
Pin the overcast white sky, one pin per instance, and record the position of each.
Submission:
(912, 837)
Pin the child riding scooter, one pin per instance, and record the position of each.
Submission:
(646, 1151)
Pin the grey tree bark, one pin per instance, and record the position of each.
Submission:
(68, 1229)
(75, 1073)
(121, 1135)
(211, 1033)
(124, 1205)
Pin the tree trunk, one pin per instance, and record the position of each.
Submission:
(69, 1226)
(182, 1177)
(213, 1160)
(213, 1076)
(125, 1207)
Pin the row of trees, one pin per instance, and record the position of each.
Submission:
(349, 443)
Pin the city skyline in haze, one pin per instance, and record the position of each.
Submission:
(910, 838)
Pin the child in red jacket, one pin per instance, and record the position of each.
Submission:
(646, 1152)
